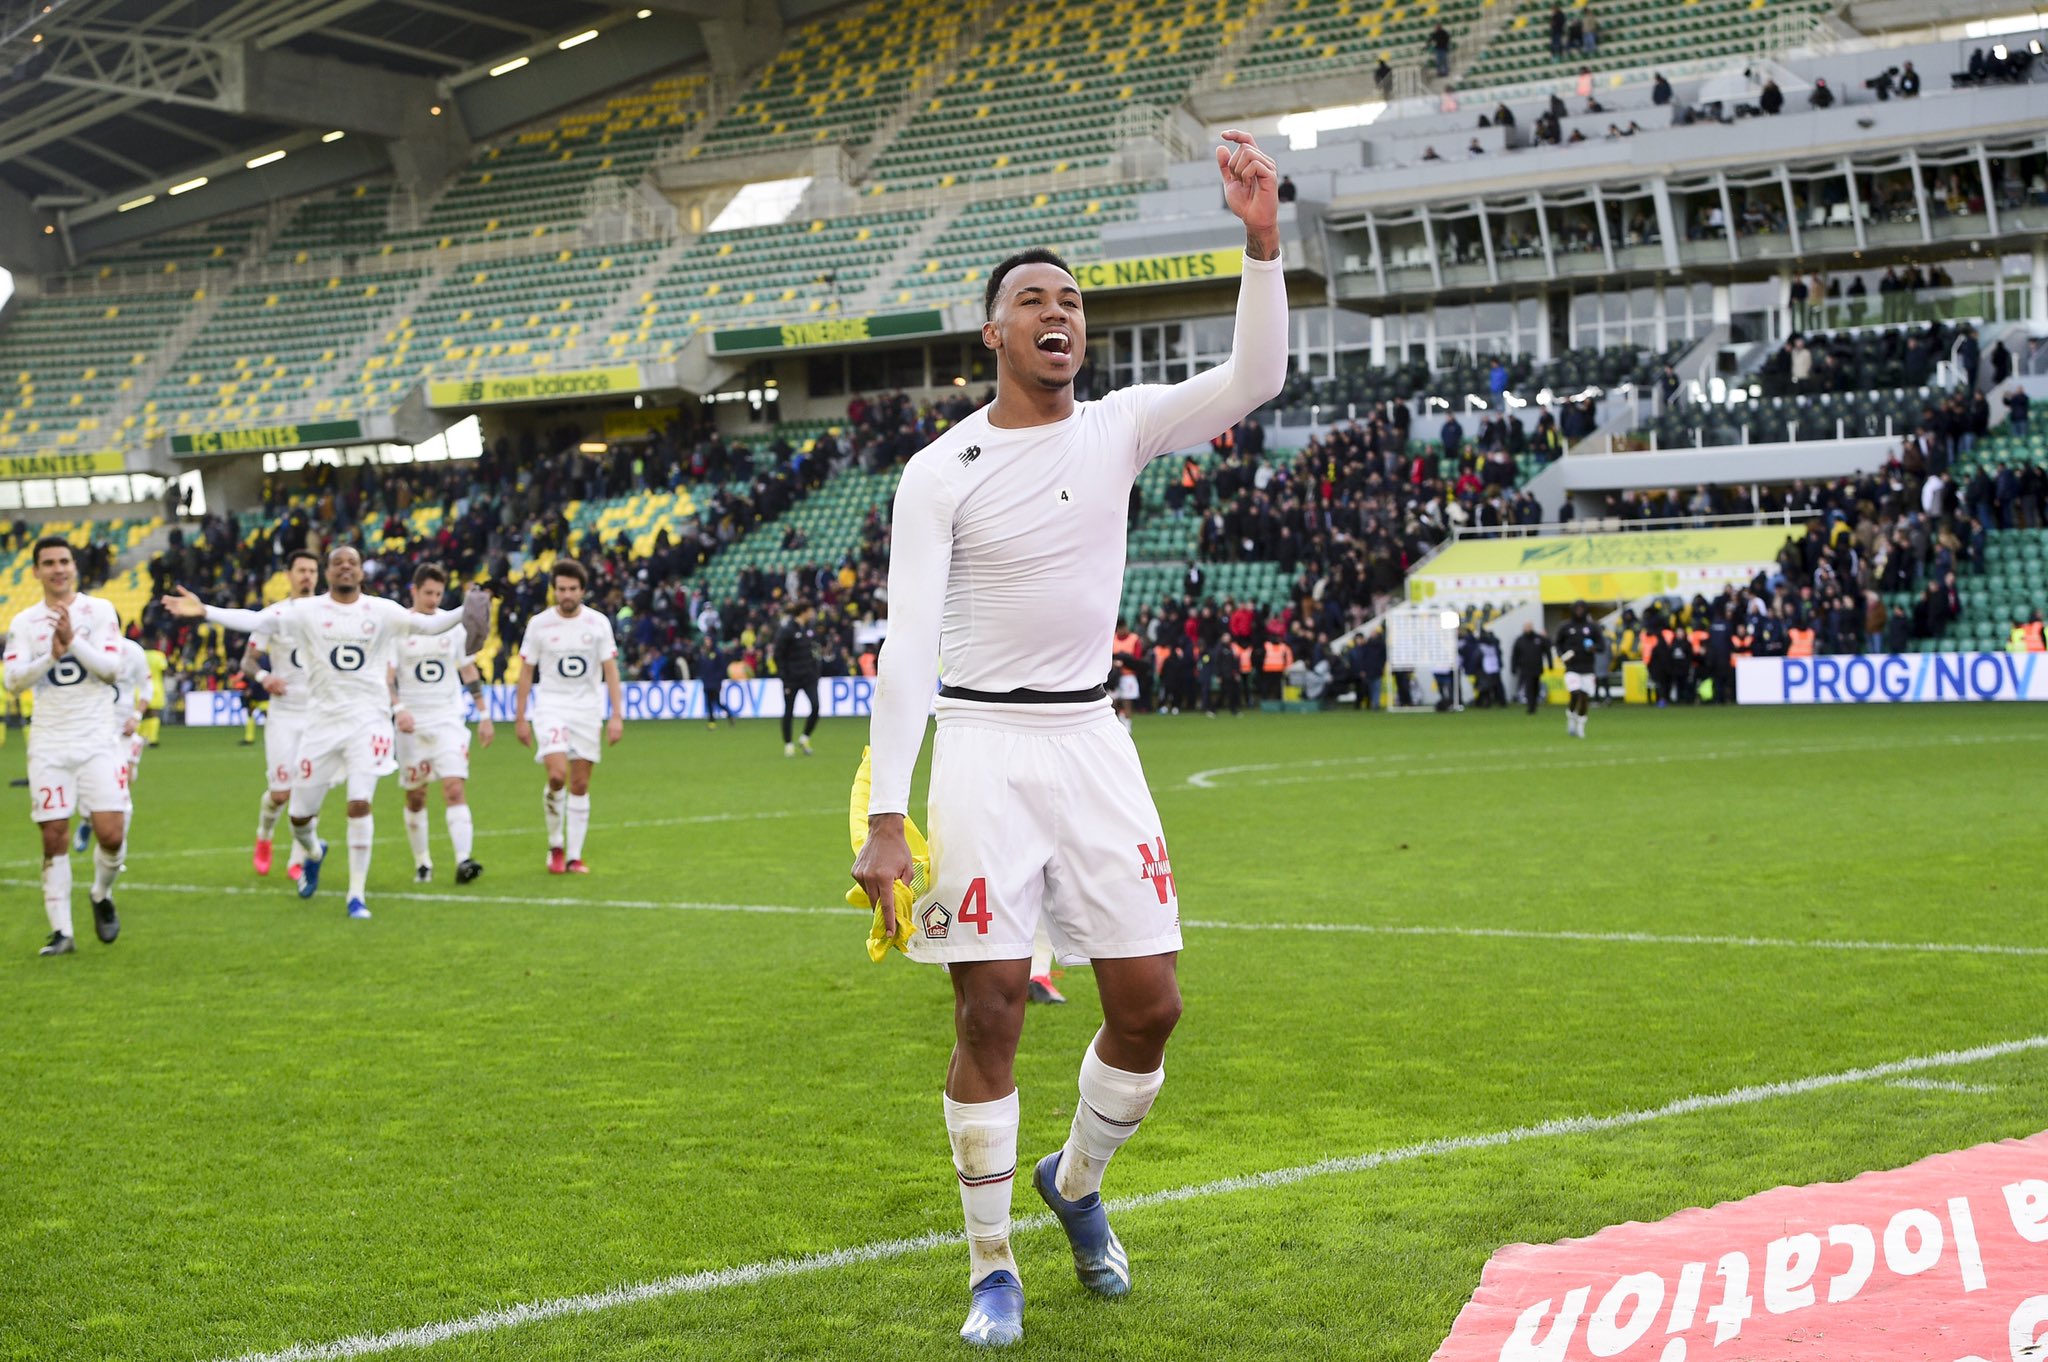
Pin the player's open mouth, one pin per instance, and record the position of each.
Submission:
(1057, 343)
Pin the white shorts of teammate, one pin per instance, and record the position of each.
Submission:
(580, 737)
(433, 752)
(1578, 683)
(1127, 687)
(359, 756)
(281, 733)
(58, 785)
(1042, 810)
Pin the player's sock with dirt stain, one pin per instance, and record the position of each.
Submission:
(57, 893)
(551, 802)
(1112, 1104)
(984, 1136)
(416, 835)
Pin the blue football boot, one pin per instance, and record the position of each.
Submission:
(996, 1317)
(1099, 1260)
(309, 872)
(359, 910)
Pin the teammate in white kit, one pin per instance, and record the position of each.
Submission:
(131, 704)
(68, 649)
(567, 648)
(345, 639)
(1007, 559)
(280, 669)
(428, 676)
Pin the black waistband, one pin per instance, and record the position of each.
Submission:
(1024, 697)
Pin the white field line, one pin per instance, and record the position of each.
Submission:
(1942, 1085)
(715, 1279)
(1211, 779)
(282, 891)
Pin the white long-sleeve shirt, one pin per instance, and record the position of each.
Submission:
(74, 693)
(346, 648)
(1007, 546)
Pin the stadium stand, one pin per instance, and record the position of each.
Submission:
(1632, 36)
(786, 270)
(1069, 221)
(68, 360)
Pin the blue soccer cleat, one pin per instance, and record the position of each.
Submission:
(996, 1317)
(359, 910)
(1099, 1259)
(309, 872)
(81, 839)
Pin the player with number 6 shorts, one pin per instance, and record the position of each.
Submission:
(566, 652)
(67, 649)
(277, 667)
(346, 640)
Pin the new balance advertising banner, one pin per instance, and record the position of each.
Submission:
(839, 697)
(553, 385)
(1891, 678)
(1942, 1261)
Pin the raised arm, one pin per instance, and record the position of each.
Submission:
(185, 605)
(1211, 402)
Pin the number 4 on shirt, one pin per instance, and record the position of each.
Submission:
(974, 907)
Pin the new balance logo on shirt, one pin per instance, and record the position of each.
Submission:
(970, 454)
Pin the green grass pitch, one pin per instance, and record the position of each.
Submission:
(252, 1124)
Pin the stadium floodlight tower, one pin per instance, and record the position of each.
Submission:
(1422, 639)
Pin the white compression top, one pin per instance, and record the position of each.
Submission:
(1007, 547)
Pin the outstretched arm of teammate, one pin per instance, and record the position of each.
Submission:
(906, 673)
(185, 605)
(1211, 402)
(614, 727)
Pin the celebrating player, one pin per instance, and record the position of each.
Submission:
(567, 648)
(68, 649)
(344, 639)
(1578, 641)
(1007, 557)
(428, 677)
(280, 673)
(131, 704)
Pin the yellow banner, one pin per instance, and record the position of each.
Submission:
(558, 385)
(1648, 550)
(633, 425)
(1148, 271)
(62, 465)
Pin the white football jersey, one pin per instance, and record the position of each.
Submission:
(346, 649)
(71, 704)
(133, 681)
(429, 670)
(287, 663)
(567, 654)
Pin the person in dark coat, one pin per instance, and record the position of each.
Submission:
(1531, 655)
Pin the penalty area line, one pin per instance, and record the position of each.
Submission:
(716, 1279)
(1773, 943)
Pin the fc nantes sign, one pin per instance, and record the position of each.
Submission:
(831, 331)
(1148, 271)
(304, 435)
(61, 465)
(555, 386)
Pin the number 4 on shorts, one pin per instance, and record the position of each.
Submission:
(974, 907)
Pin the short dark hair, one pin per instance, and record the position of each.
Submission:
(51, 541)
(573, 570)
(297, 554)
(429, 572)
(1037, 255)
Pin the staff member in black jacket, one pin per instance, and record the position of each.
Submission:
(1530, 657)
(796, 662)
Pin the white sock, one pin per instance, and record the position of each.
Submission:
(579, 824)
(461, 831)
(1041, 952)
(551, 801)
(362, 833)
(57, 894)
(1112, 1103)
(266, 818)
(306, 840)
(416, 834)
(984, 1136)
(106, 868)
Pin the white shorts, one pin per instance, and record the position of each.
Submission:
(433, 752)
(59, 782)
(1126, 686)
(281, 730)
(580, 737)
(359, 755)
(1578, 683)
(1042, 809)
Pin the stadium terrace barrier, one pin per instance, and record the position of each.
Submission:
(839, 697)
(1891, 679)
